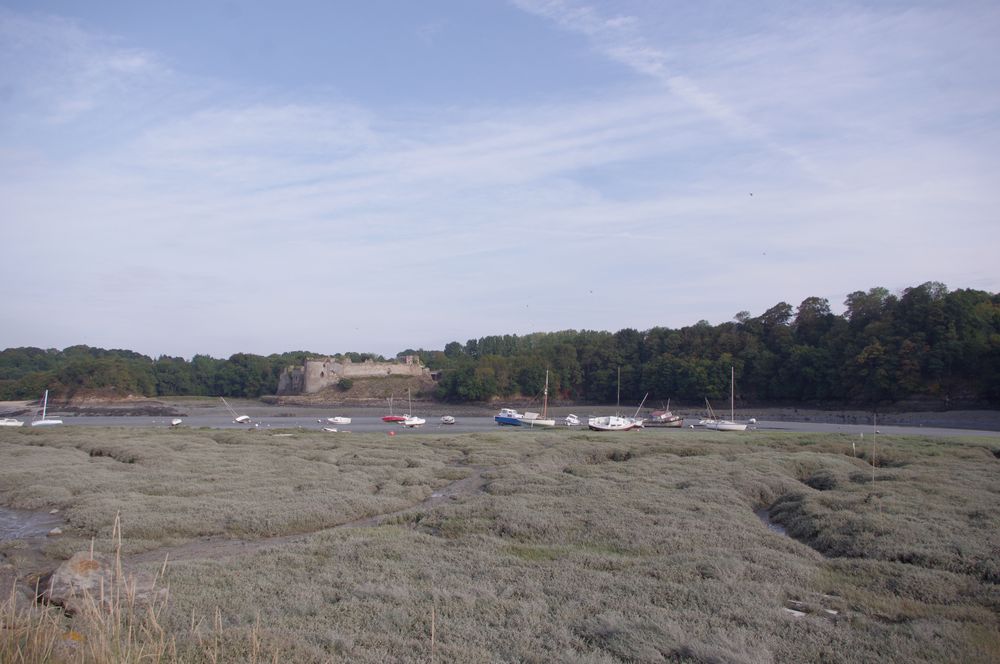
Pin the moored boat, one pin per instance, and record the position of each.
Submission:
(664, 418)
(412, 421)
(237, 419)
(338, 420)
(572, 420)
(392, 417)
(447, 419)
(45, 420)
(731, 424)
(613, 423)
(11, 422)
(508, 417)
(533, 419)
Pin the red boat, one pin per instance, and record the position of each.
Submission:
(393, 418)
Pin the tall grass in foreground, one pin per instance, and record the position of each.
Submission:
(114, 626)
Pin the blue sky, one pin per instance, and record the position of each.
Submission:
(220, 177)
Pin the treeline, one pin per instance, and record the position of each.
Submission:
(26, 372)
(925, 342)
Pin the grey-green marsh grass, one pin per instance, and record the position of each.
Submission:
(567, 547)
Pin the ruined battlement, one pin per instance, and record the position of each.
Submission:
(319, 373)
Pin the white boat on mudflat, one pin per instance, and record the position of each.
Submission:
(447, 419)
(617, 422)
(338, 420)
(572, 420)
(237, 419)
(533, 419)
(11, 422)
(613, 423)
(412, 421)
(44, 420)
(726, 425)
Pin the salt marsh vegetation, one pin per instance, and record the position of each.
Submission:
(552, 546)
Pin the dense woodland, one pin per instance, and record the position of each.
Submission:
(924, 343)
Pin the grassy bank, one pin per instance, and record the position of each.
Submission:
(574, 547)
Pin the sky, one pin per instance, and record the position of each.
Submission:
(203, 177)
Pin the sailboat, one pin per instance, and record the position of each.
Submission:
(731, 424)
(615, 422)
(390, 417)
(532, 419)
(664, 418)
(237, 419)
(44, 420)
(412, 421)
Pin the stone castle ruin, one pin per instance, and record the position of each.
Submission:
(321, 373)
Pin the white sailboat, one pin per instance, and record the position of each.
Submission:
(532, 419)
(615, 422)
(44, 420)
(412, 421)
(731, 424)
(237, 419)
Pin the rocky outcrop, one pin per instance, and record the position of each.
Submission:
(96, 580)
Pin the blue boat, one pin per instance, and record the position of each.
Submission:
(508, 417)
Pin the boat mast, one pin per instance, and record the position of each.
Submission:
(545, 401)
(618, 399)
(641, 403)
(45, 404)
(732, 393)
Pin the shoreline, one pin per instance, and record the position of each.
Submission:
(983, 419)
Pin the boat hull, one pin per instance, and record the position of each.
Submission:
(538, 422)
(612, 423)
(724, 425)
(664, 424)
(393, 418)
(507, 420)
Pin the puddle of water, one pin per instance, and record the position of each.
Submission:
(764, 515)
(21, 524)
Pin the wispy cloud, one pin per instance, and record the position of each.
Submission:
(61, 70)
(155, 196)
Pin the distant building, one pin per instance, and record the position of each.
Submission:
(318, 374)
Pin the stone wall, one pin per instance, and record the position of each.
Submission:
(318, 374)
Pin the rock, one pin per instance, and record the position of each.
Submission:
(55, 531)
(84, 580)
